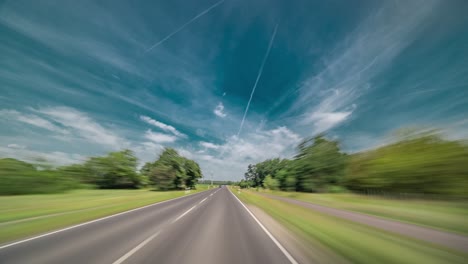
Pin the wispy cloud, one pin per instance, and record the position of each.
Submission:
(236, 153)
(209, 145)
(39, 157)
(159, 137)
(16, 146)
(325, 121)
(219, 110)
(84, 126)
(260, 71)
(33, 120)
(204, 12)
(329, 97)
(163, 126)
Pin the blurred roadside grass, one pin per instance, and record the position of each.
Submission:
(355, 242)
(27, 215)
(444, 215)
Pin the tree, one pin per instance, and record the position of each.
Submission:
(163, 177)
(115, 170)
(257, 173)
(251, 174)
(172, 171)
(417, 163)
(270, 183)
(245, 184)
(318, 164)
(193, 171)
(19, 177)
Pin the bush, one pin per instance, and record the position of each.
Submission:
(18, 177)
(271, 183)
(420, 164)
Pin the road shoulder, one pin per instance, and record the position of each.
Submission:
(449, 240)
(301, 249)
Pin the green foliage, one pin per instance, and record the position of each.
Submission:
(172, 171)
(116, 170)
(18, 177)
(418, 163)
(421, 163)
(256, 173)
(163, 177)
(270, 183)
(318, 164)
(289, 183)
(245, 184)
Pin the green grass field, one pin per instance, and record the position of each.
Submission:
(355, 242)
(26, 215)
(445, 215)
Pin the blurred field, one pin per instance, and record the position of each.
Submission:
(445, 215)
(26, 215)
(355, 242)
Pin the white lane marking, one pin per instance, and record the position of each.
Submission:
(146, 241)
(182, 215)
(135, 249)
(89, 222)
(277, 243)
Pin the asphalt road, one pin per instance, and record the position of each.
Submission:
(207, 227)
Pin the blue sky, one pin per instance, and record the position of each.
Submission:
(81, 78)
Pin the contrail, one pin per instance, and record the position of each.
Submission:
(185, 25)
(258, 78)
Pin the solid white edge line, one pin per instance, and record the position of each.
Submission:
(135, 249)
(92, 221)
(182, 215)
(277, 243)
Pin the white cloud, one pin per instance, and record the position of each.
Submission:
(325, 121)
(84, 126)
(147, 151)
(209, 145)
(233, 156)
(16, 146)
(219, 110)
(162, 126)
(54, 158)
(328, 97)
(159, 137)
(33, 120)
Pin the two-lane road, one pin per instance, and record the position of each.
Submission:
(207, 227)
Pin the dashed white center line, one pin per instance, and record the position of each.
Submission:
(146, 241)
(135, 249)
(182, 215)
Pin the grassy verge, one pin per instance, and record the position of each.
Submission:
(355, 242)
(444, 215)
(26, 215)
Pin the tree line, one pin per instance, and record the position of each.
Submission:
(417, 163)
(116, 170)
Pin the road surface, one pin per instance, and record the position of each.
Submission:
(208, 227)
